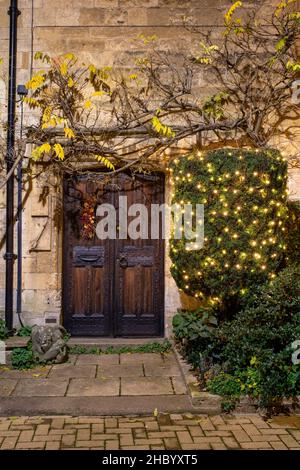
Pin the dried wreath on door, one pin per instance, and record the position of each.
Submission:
(88, 217)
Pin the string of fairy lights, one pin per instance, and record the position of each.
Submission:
(245, 213)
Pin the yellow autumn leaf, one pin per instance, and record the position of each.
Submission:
(70, 82)
(161, 128)
(45, 148)
(189, 415)
(146, 39)
(69, 56)
(98, 93)
(281, 6)
(105, 162)
(59, 151)
(290, 65)
(46, 114)
(59, 120)
(69, 133)
(279, 46)
(35, 82)
(230, 12)
(38, 55)
(32, 102)
(87, 104)
(63, 68)
(92, 68)
(51, 123)
(39, 151)
(253, 361)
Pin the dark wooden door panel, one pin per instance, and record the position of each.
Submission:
(137, 289)
(136, 278)
(140, 266)
(86, 281)
(112, 287)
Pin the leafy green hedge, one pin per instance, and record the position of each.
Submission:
(252, 354)
(245, 205)
(193, 332)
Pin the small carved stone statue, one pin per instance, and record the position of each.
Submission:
(48, 343)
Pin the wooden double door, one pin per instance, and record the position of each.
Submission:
(112, 287)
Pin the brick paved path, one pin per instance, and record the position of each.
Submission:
(170, 432)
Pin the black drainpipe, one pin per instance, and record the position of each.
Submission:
(9, 256)
(22, 92)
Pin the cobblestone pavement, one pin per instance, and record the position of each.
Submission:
(169, 432)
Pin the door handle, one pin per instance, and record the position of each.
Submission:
(89, 259)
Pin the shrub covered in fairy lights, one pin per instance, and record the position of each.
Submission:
(245, 213)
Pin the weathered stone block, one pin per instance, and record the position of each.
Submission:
(43, 18)
(92, 16)
(107, 3)
(137, 16)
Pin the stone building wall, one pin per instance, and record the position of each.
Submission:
(102, 32)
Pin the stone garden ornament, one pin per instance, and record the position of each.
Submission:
(49, 344)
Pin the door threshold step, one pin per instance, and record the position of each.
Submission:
(113, 342)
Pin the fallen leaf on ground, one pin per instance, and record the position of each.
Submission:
(189, 415)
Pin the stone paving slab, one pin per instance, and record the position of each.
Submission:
(146, 386)
(7, 386)
(73, 371)
(72, 358)
(175, 431)
(120, 370)
(5, 372)
(170, 358)
(179, 385)
(98, 387)
(142, 358)
(102, 359)
(166, 370)
(41, 387)
(95, 383)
